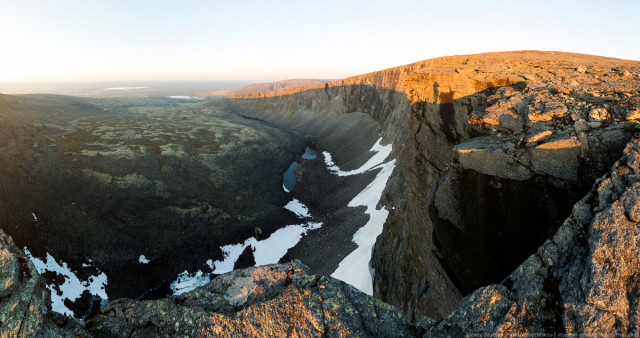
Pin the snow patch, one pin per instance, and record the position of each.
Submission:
(355, 268)
(184, 97)
(72, 287)
(143, 260)
(270, 250)
(187, 282)
(298, 208)
(381, 153)
(267, 251)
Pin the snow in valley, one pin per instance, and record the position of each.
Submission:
(72, 287)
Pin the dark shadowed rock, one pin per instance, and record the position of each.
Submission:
(548, 123)
(584, 280)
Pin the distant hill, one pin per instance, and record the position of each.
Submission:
(267, 87)
(466, 74)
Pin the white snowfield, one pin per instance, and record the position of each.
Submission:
(381, 153)
(298, 208)
(73, 287)
(355, 268)
(184, 97)
(143, 259)
(266, 251)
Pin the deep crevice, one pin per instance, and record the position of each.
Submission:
(486, 226)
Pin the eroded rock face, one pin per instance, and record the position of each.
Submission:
(584, 280)
(557, 129)
(559, 120)
(24, 297)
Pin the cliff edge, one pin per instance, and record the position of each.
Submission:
(493, 150)
(495, 154)
(583, 280)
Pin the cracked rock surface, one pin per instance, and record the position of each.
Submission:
(272, 300)
(584, 280)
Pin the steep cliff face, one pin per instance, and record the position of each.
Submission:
(584, 280)
(493, 150)
(486, 170)
(266, 87)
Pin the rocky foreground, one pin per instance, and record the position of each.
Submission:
(583, 280)
(266, 301)
(495, 223)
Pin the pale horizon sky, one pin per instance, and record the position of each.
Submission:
(91, 41)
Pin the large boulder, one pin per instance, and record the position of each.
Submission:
(272, 300)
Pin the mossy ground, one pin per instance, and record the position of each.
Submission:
(112, 179)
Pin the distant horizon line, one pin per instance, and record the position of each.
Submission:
(166, 81)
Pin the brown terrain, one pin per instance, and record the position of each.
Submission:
(493, 151)
(513, 210)
(462, 75)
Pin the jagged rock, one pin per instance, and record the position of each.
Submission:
(582, 281)
(558, 157)
(24, 297)
(271, 300)
(502, 157)
(541, 136)
(487, 156)
(265, 301)
(598, 114)
(470, 118)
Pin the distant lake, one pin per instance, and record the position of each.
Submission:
(289, 177)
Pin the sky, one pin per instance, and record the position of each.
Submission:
(123, 40)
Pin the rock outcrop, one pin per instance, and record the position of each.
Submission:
(584, 280)
(24, 299)
(267, 87)
(266, 301)
(493, 151)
